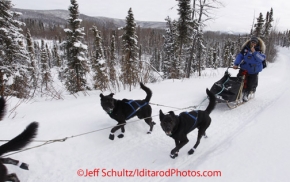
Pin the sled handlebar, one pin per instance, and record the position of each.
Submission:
(233, 67)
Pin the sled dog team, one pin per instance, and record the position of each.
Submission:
(175, 126)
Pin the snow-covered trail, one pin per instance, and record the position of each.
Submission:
(234, 137)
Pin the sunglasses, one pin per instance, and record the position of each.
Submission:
(253, 42)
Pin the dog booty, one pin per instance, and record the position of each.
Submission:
(174, 155)
(24, 166)
(121, 135)
(111, 136)
(245, 97)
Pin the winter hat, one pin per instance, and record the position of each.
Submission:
(255, 39)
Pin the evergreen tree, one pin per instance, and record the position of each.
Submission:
(184, 38)
(268, 24)
(77, 66)
(98, 63)
(200, 56)
(269, 37)
(258, 31)
(228, 56)
(112, 60)
(30, 45)
(14, 58)
(140, 58)
(34, 65)
(287, 38)
(37, 51)
(210, 58)
(170, 66)
(56, 57)
(44, 68)
(49, 59)
(217, 56)
(129, 67)
(168, 48)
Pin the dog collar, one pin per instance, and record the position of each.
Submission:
(169, 134)
(110, 112)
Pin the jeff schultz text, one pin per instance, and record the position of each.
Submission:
(97, 172)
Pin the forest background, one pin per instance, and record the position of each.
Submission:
(108, 54)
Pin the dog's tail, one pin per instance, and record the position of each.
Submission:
(212, 101)
(2, 107)
(148, 92)
(21, 140)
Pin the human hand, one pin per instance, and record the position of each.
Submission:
(253, 49)
(235, 67)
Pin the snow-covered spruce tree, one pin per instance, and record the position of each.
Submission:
(140, 66)
(258, 31)
(167, 47)
(201, 52)
(98, 62)
(169, 64)
(34, 64)
(112, 61)
(37, 51)
(227, 57)
(14, 59)
(129, 66)
(184, 38)
(218, 59)
(215, 58)
(49, 57)
(77, 66)
(268, 25)
(269, 37)
(45, 74)
(287, 35)
(56, 57)
(210, 61)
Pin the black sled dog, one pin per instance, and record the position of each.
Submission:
(178, 127)
(122, 110)
(15, 144)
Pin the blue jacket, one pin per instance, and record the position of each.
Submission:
(252, 62)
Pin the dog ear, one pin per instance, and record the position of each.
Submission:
(101, 95)
(171, 113)
(161, 115)
(111, 94)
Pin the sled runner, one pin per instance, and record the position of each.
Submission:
(229, 90)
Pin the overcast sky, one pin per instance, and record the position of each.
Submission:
(236, 15)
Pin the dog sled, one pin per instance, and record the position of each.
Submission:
(229, 89)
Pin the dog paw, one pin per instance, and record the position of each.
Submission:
(111, 136)
(190, 152)
(148, 132)
(12, 177)
(121, 135)
(24, 166)
(174, 155)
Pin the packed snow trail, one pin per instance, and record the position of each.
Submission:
(240, 141)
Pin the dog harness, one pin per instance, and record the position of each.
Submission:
(135, 110)
(193, 117)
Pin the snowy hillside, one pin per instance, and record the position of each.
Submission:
(246, 144)
(61, 16)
